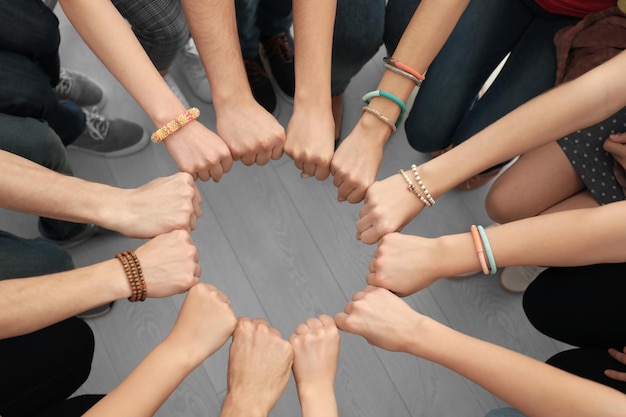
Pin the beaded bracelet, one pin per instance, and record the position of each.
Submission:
(403, 73)
(395, 63)
(480, 249)
(133, 271)
(422, 186)
(173, 125)
(493, 268)
(411, 188)
(380, 116)
(380, 93)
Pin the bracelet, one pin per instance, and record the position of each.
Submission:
(480, 249)
(493, 268)
(394, 62)
(429, 197)
(173, 125)
(133, 271)
(380, 116)
(411, 188)
(379, 93)
(403, 73)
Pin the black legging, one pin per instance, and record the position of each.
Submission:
(38, 371)
(584, 307)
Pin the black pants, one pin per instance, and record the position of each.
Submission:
(584, 307)
(40, 370)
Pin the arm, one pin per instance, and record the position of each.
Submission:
(356, 162)
(406, 264)
(252, 134)
(258, 369)
(169, 264)
(531, 386)
(204, 323)
(195, 149)
(316, 349)
(577, 104)
(171, 203)
(311, 129)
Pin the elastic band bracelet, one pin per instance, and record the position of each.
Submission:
(403, 73)
(380, 116)
(411, 188)
(493, 268)
(422, 186)
(394, 62)
(480, 249)
(173, 125)
(379, 93)
(133, 271)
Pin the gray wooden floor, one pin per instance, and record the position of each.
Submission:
(284, 249)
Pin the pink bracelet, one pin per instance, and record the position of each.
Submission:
(175, 124)
(394, 62)
(480, 249)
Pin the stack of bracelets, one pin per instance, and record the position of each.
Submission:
(132, 268)
(173, 125)
(403, 70)
(423, 194)
(481, 243)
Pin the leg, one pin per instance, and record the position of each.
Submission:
(274, 17)
(160, 27)
(486, 32)
(581, 306)
(540, 179)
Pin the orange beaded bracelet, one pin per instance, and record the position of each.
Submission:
(175, 124)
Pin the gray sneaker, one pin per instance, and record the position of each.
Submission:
(110, 138)
(194, 73)
(79, 88)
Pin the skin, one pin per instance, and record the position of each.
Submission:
(536, 389)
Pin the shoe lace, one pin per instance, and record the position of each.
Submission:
(97, 125)
(64, 85)
(278, 45)
(254, 71)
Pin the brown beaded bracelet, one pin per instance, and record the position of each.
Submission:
(133, 271)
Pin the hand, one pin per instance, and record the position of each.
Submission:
(169, 263)
(404, 264)
(383, 319)
(258, 368)
(310, 141)
(355, 164)
(253, 135)
(316, 350)
(200, 152)
(621, 358)
(389, 206)
(615, 146)
(158, 207)
(205, 321)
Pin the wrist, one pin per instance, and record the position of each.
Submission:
(236, 406)
(314, 390)
(461, 249)
(371, 129)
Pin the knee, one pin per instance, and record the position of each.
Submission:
(163, 43)
(499, 204)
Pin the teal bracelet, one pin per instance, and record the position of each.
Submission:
(492, 262)
(380, 93)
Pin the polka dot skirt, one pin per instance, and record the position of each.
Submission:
(594, 165)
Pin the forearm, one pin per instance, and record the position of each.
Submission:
(531, 386)
(30, 188)
(30, 304)
(214, 30)
(313, 24)
(550, 116)
(149, 385)
(109, 36)
(318, 401)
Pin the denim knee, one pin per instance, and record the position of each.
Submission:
(20, 258)
(34, 140)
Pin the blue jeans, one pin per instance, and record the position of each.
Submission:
(35, 140)
(260, 18)
(444, 112)
(505, 412)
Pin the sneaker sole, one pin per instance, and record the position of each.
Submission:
(143, 142)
